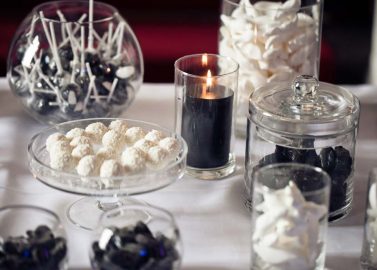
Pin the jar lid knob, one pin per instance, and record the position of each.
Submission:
(305, 89)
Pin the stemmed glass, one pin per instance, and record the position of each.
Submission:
(86, 211)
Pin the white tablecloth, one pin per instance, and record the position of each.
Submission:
(214, 224)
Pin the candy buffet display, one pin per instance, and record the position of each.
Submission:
(307, 122)
(272, 41)
(74, 59)
(24, 245)
(123, 241)
(289, 218)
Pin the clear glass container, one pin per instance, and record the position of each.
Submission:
(289, 217)
(205, 105)
(307, 122)
(369, 249)
(31, 237)
(136, 237)
(273, 41)
(69, 60)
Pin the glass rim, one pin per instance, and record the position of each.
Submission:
(233, 3)
(35, 158)
(12, 207)
(326, 176)
(42, 6)
(218, 56)
(130, 207)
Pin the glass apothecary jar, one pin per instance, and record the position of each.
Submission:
(307, 122)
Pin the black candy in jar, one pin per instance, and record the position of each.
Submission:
(68, 61)
(308, 122)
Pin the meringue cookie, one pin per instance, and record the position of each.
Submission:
(157, 157)
(119, 126)
(154, 136)
(53, 138)
(75, 132)
(106, 153)
(134, 134)
(82, 150)
(170, 145)
(88, 166)
(133, 159)
(287, 232)
(60, 146)
(96, 131)
(80, 140)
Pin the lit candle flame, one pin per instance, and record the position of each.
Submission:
(204, 60)
(209, 79)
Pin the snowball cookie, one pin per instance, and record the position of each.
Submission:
(154, 136)
(134, 134)
(88, 166)
(157, 157)
(170, 144)
(119, 125)
(53, 138)
(144, 145)
(113, 139)
(75, 132)
(61, 160)
(82, 150)
(80, 140)
(96, 131)
(110, 168)
(106, 152)
(133, 159)
(60, 146)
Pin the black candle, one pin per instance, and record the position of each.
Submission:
(207, 125)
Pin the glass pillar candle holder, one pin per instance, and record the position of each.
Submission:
(369, 249)
(289, 217)
(272, 42)
(206, 95)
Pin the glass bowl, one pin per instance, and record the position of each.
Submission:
(147, 180)
(136, 237)
(66, 62)
(31, 238)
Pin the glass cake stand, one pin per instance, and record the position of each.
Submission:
(86, 211)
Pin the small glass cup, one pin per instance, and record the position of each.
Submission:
(368, 258)
(206, 95)
(31, 237)
(289, 217)
(136, 237)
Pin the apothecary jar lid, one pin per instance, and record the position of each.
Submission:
(304, 107)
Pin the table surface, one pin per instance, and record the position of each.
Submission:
(214, 224)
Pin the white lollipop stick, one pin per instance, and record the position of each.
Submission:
(63, 22)
(109, 38)
(46, 91)
(90, 34)
(31, 32)
(45, 29)
(82, 50)
(91, 76)
(73, 45)
(120, 39)
(27, 77)
(77, 28)
(90, 87)
(115, 82)
(58, 94)
(55, 49)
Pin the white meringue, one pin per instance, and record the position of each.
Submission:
(144, 145)
(113, 139)
(61, 160)
(110, 168)
(106, 153)
(157, 157)
(170, 145)
(60, 146)
(119, 126)
(154, 136)
(75, 132)
(82, 150)
(80, 140)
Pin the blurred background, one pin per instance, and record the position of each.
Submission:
(169, 29)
